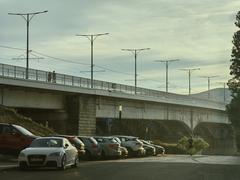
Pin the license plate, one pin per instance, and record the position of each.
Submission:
(35, 159)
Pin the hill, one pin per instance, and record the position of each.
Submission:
(8, 115)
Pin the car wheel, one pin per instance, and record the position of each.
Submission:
(88, 155)
(22, 166)
(76, 163)
(130, 152)
(103, 155)
(63, 162)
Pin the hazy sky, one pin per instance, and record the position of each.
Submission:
(197, 32)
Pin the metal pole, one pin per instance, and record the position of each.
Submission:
(166, 76)
(92, 38)
(189, 82)
(224, 91)
(189, 70)
(27, 17)
(91, 61)
(167, 65)
(135, 55)
(135, 52)
(27, 53)
(208, 87)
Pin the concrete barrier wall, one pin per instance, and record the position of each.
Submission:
(109, 108)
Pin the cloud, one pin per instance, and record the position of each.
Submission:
(197, 32)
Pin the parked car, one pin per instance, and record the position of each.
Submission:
(75, 141)
(159, 149)
(123, 149)
(109, 147)
(92, 147)
(14, 138)
(150, 150)
(50, 152)
(133, 145)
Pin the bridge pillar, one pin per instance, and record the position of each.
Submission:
(81, 114)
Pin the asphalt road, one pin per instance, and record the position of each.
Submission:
(152, 168)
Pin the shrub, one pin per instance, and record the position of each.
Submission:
(192, 145)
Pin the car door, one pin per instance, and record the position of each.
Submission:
(13, 138)
(69, 151)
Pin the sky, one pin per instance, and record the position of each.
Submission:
(198, 33)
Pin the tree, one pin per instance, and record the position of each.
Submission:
(233, 108)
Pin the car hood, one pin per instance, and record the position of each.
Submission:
(46, 151)
(147, 146)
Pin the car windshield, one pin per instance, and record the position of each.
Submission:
(76, 142)
(23, 130)
(51, 143)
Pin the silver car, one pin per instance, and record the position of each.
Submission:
(92, 147)
(109, 147)
(49, 152)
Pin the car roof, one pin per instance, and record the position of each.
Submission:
(65, 136)
(125, 136)
(50, 137)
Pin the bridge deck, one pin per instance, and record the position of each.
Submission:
(16, 76)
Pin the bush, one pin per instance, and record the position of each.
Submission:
(192, 145)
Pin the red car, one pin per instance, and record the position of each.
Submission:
(14, 138)
(75, 141)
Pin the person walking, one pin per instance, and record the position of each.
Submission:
(49, 77)
(54, 77)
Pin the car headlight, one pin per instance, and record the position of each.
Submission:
(21, 155)
(55, 154)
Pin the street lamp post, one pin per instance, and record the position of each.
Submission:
(92, 38)
(135, 52)
(27, 17)
(189, 70)
(167, 65)
(209, 83)
(120, 112)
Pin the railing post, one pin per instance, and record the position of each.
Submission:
(72, 81)
(37, 75)
(64, 78)
(46, 76)
(80, 82)
(14, 69)
(3, 69)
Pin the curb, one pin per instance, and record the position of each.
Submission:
(7, 166)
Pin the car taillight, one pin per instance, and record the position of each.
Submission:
(113, 146)
(94, 146)
(138, 143)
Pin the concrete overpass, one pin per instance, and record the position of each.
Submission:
(103, 101)
(72, 107)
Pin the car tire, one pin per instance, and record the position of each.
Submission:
(63, 163)
(103, 155)
(130, 152)
(22, 166)
(88, 155)
(76, 162)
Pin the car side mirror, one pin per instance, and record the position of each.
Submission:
(66, 146)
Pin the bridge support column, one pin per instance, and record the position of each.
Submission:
(81, 115)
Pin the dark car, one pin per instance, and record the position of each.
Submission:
(14, 138)
(159, 149)
(92, 147)
(75, 141)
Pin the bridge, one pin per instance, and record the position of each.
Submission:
(71, 106)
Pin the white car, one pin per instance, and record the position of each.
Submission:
(49, 152)
(133, 145)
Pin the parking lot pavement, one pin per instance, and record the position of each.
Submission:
(198, 159)
(7, 161)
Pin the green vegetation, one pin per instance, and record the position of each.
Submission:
(233, 108)
(192, 145)
(183, 146)
(8, 115)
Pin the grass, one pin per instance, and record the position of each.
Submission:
(9, 115)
